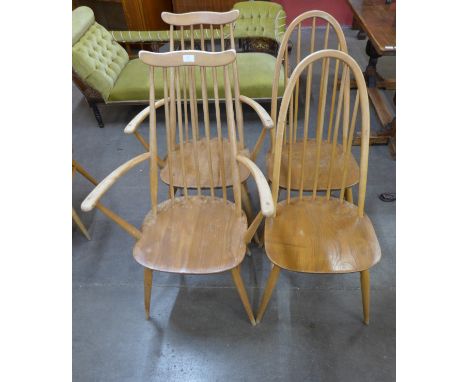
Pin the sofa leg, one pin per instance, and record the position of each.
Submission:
(97, 114)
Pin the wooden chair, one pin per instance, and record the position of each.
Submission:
(302, 48)
(322, 234)
(191, 234)
(76, 167)
(210, 31)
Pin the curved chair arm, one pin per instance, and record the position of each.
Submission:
(266, 199)
(140, 117)
(93, 198)
(267, 122)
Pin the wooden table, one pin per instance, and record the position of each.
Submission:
(377, 19)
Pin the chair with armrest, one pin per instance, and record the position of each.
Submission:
(192, 233)
(104, 72)
(203, 27)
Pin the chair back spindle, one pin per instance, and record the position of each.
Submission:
(180, 116)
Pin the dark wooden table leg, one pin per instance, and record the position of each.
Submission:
(377, 99)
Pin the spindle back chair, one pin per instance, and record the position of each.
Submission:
(193, 233)
(289, 56)
(322, 234)
(208, 31)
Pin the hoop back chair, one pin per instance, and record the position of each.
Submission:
(193, 233)
(322, 234)
(289, 57)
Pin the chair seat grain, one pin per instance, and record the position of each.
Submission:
(203, 153)
(194, 235)
(352, 172)
(320, 236)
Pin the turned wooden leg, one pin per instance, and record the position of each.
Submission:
(365, 291)
(272, 279)
(80, 224)
(148, 282)
(97, 115)
(242, 293)
(349, 195)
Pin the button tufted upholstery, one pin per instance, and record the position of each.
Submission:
(260, 18)
(97, 58)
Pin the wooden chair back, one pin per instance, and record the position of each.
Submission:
(342, 129)
(207, 31)
(289, 57)
(178, 116)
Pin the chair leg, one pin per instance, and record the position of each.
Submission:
(97, 115)
(148, 281)
(349, 195)
(365, 292)
(272, 279)
(247, 203)
(80, 224)
(242, 293)
(83, 172)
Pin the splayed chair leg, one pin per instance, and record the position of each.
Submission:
(365, 291)
(272, 279)
(148, 282)
(242, 293)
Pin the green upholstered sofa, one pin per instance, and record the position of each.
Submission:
(104, 72)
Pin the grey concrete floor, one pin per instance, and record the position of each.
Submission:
(198, 330)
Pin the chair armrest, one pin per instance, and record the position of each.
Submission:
(140, 117)
(266, 199)
(93, 198)
(267, 122)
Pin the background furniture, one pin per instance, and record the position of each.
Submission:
(378, 20)
(322, 234)
(185, 6)
(191, 234)
(139, 15)
(104, 72)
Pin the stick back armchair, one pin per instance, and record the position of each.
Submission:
(193, 233)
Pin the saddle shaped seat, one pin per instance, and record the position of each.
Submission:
(321, 236)
(176, 238)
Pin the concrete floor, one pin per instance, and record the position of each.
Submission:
(198, 330)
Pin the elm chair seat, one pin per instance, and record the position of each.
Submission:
(320, 236)
(197, 235)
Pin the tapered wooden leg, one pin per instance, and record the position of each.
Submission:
(80, 224)
(349, 195)
(242, 293)
(83, 172)
(148, 281)
(247, 203)
(365, 291)
(272, 279)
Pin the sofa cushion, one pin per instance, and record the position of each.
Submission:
(256, 71)
(97, 58)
